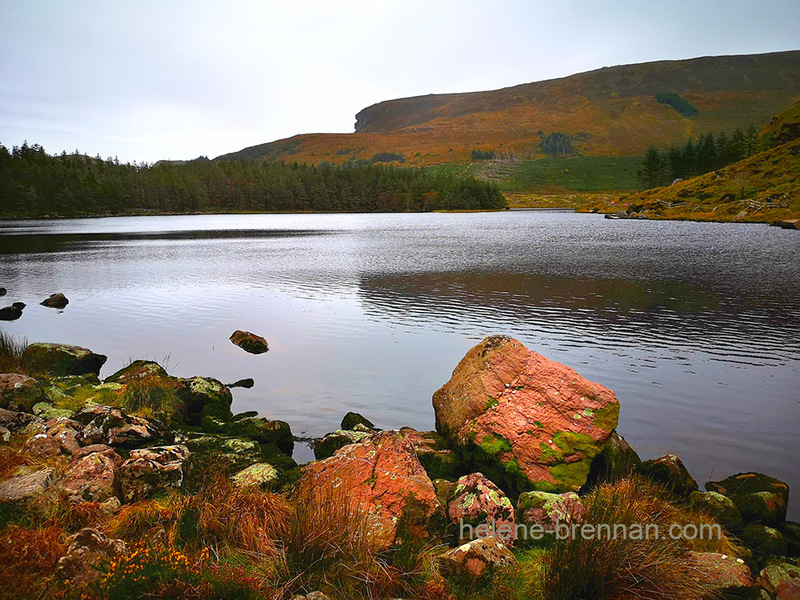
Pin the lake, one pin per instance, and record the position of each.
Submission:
(693, 325)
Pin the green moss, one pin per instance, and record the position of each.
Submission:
(539, 424)
(491, 402)
(512, 467)
(570, 476)
(575, 443)
(607, 417)
(550, 455)
(493, 445)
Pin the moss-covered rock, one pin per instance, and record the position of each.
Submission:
(764, 541)
(791, 531)
(47, 411)
(351, 419)
(264, 431)
(669, 471)
(249, 342)
(477, 501)
(525, 421)
(439, 461)
(149, 471)
(263, 476)
(548, 510)
(20, 392)
(760, 498)
(60, 359)
(205, 396)
(232, 453)
(327, 445)
(116, 427)
(719, 507)
(615, 461)
(773, 575)
(137, 370)
(57, 300)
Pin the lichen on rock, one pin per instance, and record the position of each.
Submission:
(513, 412)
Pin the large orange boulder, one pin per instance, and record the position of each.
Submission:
(526, 421)
(381, 479)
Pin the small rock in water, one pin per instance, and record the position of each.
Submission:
(249, 342)
(58, 300)
(243, 383)
(11, 313)
(3, 291)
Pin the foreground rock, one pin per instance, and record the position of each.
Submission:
(115, 427)
(57, 360)
(480, 509)
(327, 445)
(91, 476)
(205, 398)
(137, 371)
(26, 485)
(151, 470)
(264, 431)
(718, 506)
(58, 300)
(669, 471)
(87, 549)
(259, 475)
(20, 392)
(438, 460)
(477, 557)
(546, 511)
(525, 420)
(249, 342)
(719, 573)
(379, 478)
(759, 498)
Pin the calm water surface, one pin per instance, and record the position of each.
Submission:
(695, 326)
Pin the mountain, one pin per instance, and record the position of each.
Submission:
(764, 187)
(613, 111)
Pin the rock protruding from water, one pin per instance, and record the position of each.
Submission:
(11, 313)
(58, 300)
(527, 422)
(669, 470)
(249, 342)
(351, 419)
(380, 479)
(759, 498)
(58, 360)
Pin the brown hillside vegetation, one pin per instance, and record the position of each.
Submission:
(762, 188)
(612, 111)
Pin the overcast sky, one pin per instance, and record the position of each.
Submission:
(155, 79)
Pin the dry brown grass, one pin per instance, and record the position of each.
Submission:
(225, 518)
(148, 519)
(28, 558)
(619, 568)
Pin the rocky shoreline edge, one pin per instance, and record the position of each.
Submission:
(144, 464)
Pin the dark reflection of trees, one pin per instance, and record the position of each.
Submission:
(33, 244)
(649, 309)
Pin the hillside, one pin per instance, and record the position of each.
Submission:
(615, 111)
(763, 188)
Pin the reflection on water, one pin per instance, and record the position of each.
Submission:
(693, 325)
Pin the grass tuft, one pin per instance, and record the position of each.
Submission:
(615, 568)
